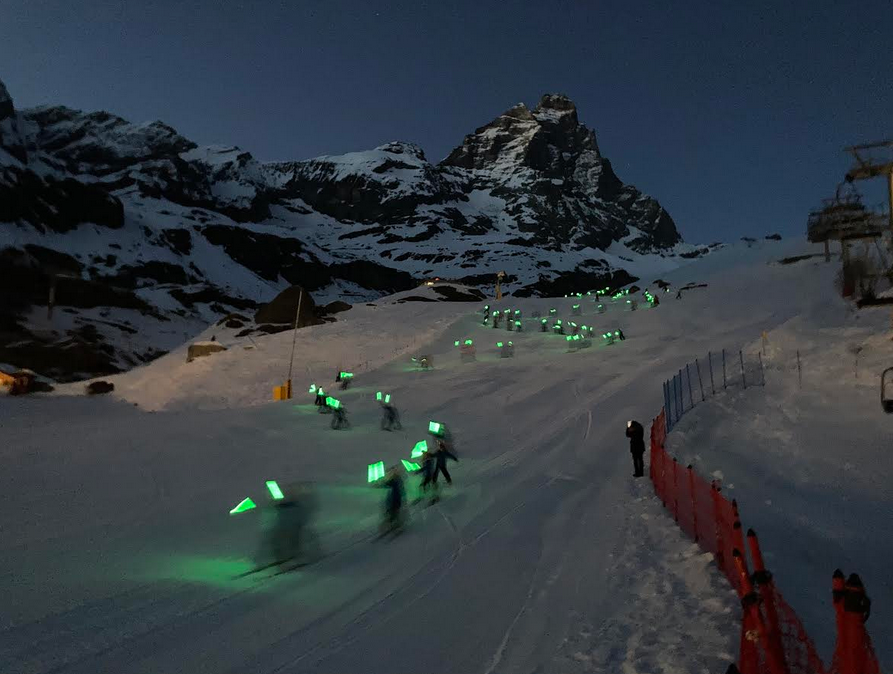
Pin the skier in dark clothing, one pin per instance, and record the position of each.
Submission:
(393, 503)
(440, 457)
(427, 471)
(636, 434)
(390, 419)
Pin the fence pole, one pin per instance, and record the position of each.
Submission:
(723, 368)
(694, 504)
(741, 358)
(681, 397)
(799, 373)
(675, 489)
(762, 372)
(691, 397)
(700, 381)
(718, 527)
(710, 361)
(763, 580)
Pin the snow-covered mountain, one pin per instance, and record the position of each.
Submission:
(151, 237)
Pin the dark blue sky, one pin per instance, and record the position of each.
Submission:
(732, 114)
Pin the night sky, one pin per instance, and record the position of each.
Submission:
(732, 114)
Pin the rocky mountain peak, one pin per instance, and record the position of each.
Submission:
(11, 136)
(6, 108)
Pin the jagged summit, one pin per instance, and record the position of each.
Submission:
(154, 224)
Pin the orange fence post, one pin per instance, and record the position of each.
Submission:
(843, 652)
(675, 489)
(763, 580)
(717, 523)
(694, 501)
(753, 629)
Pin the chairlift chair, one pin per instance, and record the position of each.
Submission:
(887, 390)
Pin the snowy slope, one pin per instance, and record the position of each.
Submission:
(137, 217)
(543, 556)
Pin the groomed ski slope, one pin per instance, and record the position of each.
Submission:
(544, 556)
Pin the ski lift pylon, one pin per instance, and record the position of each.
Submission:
(887, 390)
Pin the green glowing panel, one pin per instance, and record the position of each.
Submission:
(312, 388)
(517, 311)
(499, 344)
(617, 334)
(387, 399)
(456, 343)
(518, 323)
(346, 375)
(419, 449)
(245, 504)
(544, 321)
(375, 471)
(334, 404)
(274, 490)
(410, 466)
(576, 306)
(378, 396)
(468, 342)
(435, 427)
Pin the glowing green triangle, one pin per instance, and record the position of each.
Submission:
(246, 504)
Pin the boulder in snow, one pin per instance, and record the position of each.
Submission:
(202, 349)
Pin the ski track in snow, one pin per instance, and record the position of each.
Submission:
(544, 556)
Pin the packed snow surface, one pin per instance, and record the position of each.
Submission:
(544, 556)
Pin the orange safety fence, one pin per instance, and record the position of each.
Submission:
(773, 638)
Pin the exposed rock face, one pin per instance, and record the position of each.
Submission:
(283, 308)
(548, 168)
(180, 235)
(202, 349)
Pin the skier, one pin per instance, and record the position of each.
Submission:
(391, 420)
(427, 472)
(440, 457)
(393, 503)
(320, 401)
(339, 418)
(288, 535)
(636, 434)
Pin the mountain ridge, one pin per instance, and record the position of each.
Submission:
(177, 234)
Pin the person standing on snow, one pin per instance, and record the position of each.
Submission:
(440, 458)
(636, 434)
(393, 503)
